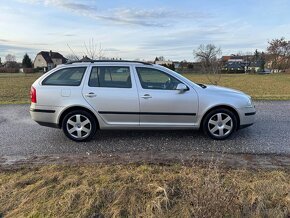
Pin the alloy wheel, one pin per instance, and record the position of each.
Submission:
(79, 126)
(220, 125)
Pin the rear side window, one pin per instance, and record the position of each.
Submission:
(110, 77)
(66, 77)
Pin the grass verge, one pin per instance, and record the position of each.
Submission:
(143, 191)
(14, 88)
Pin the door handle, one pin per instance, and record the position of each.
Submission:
(90, 95)
(146, 96)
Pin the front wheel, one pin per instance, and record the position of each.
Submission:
(79, 126)
(220, 124)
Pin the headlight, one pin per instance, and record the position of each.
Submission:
(249, 103)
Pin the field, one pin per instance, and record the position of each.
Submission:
(260, 87)
(143, 191)
(14, 88)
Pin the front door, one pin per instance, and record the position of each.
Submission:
(161, 104)
(112, 92)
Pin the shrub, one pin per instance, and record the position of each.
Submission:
(9, 70)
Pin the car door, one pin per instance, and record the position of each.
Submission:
(112, 92)
(160, 103)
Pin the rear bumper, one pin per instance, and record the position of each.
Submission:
(45, 116)
(52, 125)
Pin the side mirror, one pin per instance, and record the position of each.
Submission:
(181, 87)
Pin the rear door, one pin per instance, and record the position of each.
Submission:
(161, 104)
(112, 92)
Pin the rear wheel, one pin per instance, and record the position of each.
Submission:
(79, 126)
(220, 124)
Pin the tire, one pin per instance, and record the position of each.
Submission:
(220, 124)
(79, 125)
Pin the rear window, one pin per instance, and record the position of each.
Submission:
(110, 77)
(66, 77)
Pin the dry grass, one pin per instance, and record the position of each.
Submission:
(143, 191)
(260, 87)
(14, 88)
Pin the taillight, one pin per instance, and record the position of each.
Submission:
(33, 94)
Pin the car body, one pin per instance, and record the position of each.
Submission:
(82, 97)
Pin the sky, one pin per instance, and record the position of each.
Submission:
(140, 29)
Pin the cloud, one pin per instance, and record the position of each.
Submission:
(12, 47)
(16, 50)
(159, 17)
(112, 49)
(159, 13)
(185, 38)
(4, 40)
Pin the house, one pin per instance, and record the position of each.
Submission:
(163, 62)
(255, 66)
(234, 67)
(235, 64)
(11, 64)
(48, 60)
(86, 59)
(176, 64)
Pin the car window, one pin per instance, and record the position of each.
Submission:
(155, 79)
(110, 77)
(66, 77)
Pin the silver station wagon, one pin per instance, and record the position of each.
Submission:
(83, 97)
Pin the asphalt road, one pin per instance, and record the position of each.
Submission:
(20, 136)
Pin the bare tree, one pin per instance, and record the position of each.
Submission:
(10, 58)
(279, 51)
(92, 50)
(209, 57)
(72, 57)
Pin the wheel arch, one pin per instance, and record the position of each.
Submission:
(73, 108)
(230, 108)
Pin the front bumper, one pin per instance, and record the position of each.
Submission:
(247, 116)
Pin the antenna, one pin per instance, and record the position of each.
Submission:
(72, 52)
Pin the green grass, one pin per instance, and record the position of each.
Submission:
(143, 191)
(14, 88)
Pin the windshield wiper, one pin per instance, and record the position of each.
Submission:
(201, 85)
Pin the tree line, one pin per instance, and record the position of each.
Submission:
(277, 55)
(10, 61)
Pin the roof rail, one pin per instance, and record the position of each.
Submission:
(105, 61)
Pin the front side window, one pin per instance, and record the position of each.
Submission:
(155, 79)
(110, 77)
(66, 77)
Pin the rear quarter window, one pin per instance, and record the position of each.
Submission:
(66, 77)
(110, 77)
